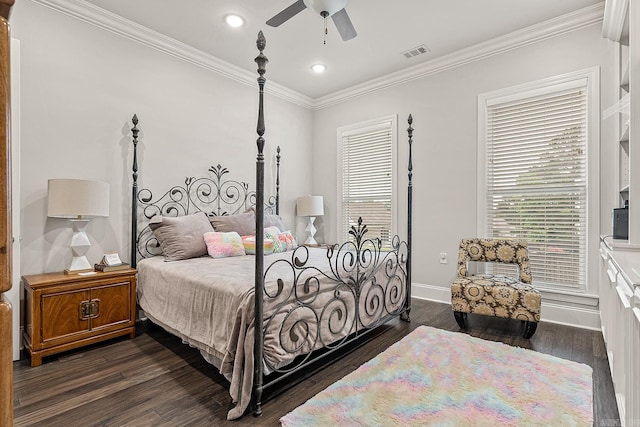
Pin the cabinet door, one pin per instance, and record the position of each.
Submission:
(114, 301)
(61, 318)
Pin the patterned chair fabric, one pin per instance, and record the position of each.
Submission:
(495, 295)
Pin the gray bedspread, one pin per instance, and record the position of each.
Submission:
(209, 304)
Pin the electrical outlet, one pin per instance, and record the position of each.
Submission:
(443, 258)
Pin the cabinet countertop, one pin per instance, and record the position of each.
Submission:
(626, 257)
(47, 279)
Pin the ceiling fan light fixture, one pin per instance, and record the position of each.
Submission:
(335, 9)
(319, 68)
(329, 6)
(234, 20)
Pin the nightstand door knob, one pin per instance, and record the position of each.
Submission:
(94, 308)
(84, 310)
(89, 309)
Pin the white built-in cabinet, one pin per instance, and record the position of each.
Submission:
(620, 318)
(620, 259)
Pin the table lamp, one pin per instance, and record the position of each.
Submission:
(78, 200)
(311, 207)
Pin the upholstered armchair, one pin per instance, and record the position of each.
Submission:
(494, 295)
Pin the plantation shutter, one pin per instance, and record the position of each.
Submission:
(537, 182)
(367, 185)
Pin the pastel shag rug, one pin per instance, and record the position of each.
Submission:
(436, 377)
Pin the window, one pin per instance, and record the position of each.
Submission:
(367, 183)
(533, 158)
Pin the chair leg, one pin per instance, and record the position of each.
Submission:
(461, 318)
(529, 329)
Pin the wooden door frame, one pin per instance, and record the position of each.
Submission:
(6, 311)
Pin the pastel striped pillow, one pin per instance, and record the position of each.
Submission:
(249, 243)
(223, 244)
(272, 230)
(282, 242)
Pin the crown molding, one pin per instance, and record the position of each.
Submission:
(103, 19)
(577, 20)
(86, 12)
(615, 12)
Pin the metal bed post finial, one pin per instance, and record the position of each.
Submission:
(406, 316)
(134, 193)
(258, 347)
(261, 60)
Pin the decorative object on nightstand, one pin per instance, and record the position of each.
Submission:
(79, 200)
(67, 311)
(311, 207)
(111, 262)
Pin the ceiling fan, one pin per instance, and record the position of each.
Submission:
(326, 8)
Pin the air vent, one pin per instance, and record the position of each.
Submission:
(419, 50)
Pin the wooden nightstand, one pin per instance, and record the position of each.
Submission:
(65, 311)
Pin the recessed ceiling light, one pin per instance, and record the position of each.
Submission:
(234, 20)
(319, 68)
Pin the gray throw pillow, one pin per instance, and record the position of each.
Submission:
(270, 220)
(181, 237)
(244, 224)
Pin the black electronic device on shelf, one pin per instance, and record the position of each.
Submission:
(620, 218)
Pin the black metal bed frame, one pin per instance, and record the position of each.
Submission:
(375, 281)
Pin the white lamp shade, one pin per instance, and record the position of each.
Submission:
(73, 198)
(310, 206)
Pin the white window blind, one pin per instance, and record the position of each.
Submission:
(536, 181)
(367, 181)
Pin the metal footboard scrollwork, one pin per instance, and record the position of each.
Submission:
(360, 286)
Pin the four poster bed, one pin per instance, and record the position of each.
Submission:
(264, 317)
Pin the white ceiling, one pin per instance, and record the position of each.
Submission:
(385, 29)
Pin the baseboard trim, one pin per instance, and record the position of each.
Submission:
(584, 316)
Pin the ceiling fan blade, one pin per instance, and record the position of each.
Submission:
(344, 25)
(287, 14)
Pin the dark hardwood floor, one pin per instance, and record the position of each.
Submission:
(155, 380)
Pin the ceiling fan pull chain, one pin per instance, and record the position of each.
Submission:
(325, 32)
(325, 14)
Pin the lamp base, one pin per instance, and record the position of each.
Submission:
(80, 244)
(311, 229)
(311, 242)
(79, 264)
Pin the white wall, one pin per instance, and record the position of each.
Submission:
(444, 108)
(80, 87)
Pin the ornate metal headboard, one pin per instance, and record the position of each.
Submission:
(215, 194)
